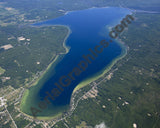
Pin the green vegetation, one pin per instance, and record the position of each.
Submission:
(39, 82)
(23, 101)
(21, 123)
(133, 91)
(6, 125)
(24, 12)
(2, 71)
(34, 48)
(136, 81)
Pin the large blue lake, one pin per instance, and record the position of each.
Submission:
(88, 28)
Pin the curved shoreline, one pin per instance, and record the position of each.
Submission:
(27, 91)
(82, 84)
(105, 70)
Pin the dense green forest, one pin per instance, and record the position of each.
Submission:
(30, 55)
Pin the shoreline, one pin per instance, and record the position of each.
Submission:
(83, 83)
(105, 70)
(108, 67)
(27, 91)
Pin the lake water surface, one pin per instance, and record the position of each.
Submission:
(88, 27)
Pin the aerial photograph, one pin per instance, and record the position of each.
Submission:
(79, 63)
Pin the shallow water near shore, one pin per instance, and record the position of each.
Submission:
(88, 27)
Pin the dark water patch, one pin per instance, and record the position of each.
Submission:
(88, 27)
